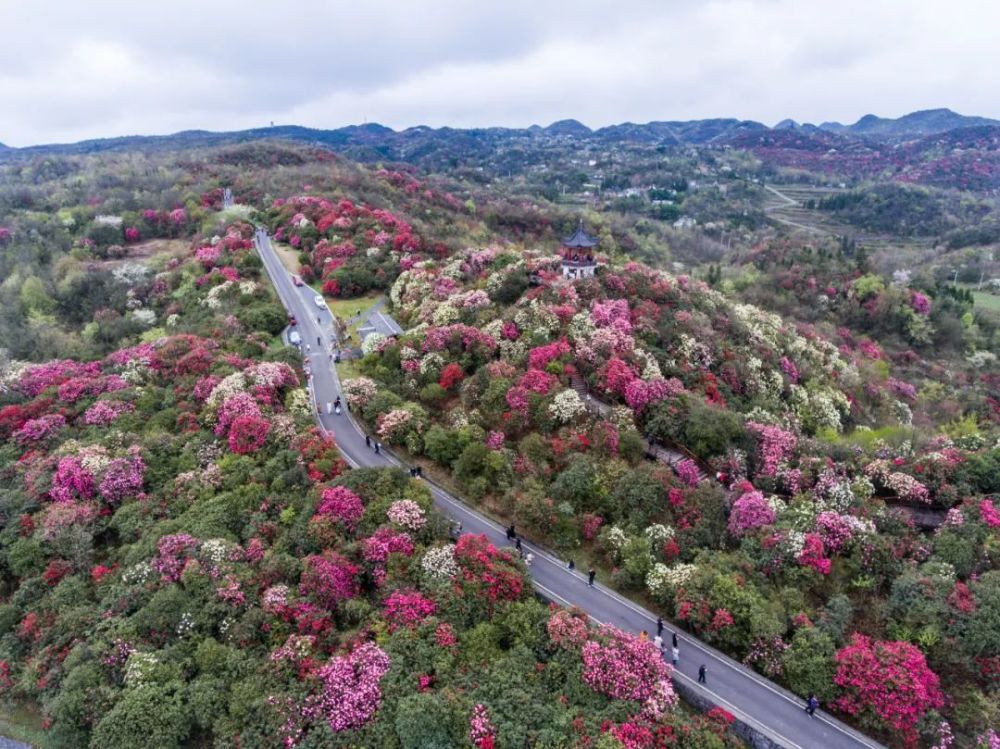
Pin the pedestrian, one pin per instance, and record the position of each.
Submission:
(590, 577)
(658, 641)
(811, 704)
(511, 533)
(517, 544)
(368, 441)
(308, 348)
(643, 636)
(675, 655)
(378, 447)
(318, 342)
(659, 625)
(420, 472)
(702, 670)
(673, 639)
(571, 566)
(529, 558)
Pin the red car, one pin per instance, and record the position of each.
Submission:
(297, 281)
(292, 320)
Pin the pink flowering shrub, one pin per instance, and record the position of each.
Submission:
(622, 666)
(988, 513)
(174, 550)
(385, 541)
(495, 440)
(687, 471)
(407, 513)
(901, 389)
(239, 404)
(329, 579)
(42, 428)
(750, 511)
(482, 732)
(886, 685)
(790, 370)
(342, 505)
(407, 608)
(104, 413)
(603, 314)
(34, 380)
(231, 593)
(920, 303)
(774, 446)
(208, 256)
(639, 394)
(123, 478)
(567, 629)
(71, 481)
(351, 691)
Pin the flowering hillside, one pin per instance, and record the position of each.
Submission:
(186, 560)
(540, 397)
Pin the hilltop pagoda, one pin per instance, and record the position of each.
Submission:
(578, 254)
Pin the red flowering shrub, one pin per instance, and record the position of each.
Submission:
(887, 686)
(451, 376)
(407, 608)
(248, 434)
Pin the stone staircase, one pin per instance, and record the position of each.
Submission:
(657, 452)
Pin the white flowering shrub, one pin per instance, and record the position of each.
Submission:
(567, 406)
(139, 668)
(439, 563)
(372, 343)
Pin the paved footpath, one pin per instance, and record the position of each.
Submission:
(771, 710)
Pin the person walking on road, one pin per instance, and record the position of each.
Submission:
(675, 655)
(658, 641)
(368, 441)
(378, 447)
(510, 533)
(517, 544)
(811, 704)
(529, 558)
(702, 670)
(590, 577)
(571, 565)
(659, 625)
(673, 639)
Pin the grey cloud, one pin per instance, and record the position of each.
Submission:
(75, 70)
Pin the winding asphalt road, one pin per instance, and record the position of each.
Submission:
(761, 704)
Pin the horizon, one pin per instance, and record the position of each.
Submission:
(112, 69)
(400, 129)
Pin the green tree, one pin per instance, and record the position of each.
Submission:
(145, 716)
(809, 665)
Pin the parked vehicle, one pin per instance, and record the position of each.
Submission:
(320, 301)
(295, 338)
(292, 320)
(297, 281)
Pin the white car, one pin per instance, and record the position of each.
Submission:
(320, 301)
(295, 338)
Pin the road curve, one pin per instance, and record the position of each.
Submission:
(761, 704)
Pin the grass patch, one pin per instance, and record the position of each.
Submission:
(288, 255)
(986, 301)
(348, 369)
(346, 308)
(23, 722)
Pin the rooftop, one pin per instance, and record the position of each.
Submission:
(580, 238)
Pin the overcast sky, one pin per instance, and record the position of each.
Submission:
(72, 70)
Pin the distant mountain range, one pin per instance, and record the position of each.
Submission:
(377, 142)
